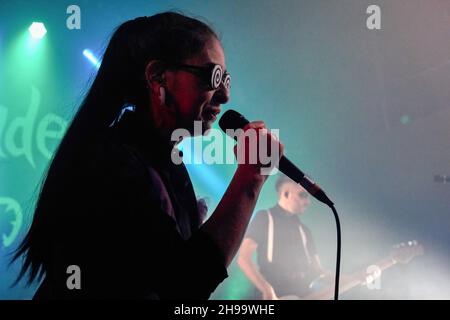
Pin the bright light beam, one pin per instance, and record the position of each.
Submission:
(88, 54)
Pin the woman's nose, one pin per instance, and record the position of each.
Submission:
(222, 94)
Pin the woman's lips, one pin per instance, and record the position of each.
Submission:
(211, 113)
(214, 109)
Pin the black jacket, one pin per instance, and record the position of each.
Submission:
(129, 220)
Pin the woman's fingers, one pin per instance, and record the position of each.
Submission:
(258, 148)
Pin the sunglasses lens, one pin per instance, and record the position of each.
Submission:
(216, 76)
(227, 81)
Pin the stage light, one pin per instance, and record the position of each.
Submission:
(37, 30)
(88, 54)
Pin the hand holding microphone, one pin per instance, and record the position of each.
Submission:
(233, 120)
(253, 142)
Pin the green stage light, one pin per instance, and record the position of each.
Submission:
(37, 30)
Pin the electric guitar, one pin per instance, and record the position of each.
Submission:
(401, 253)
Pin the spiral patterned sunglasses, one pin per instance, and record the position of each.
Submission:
(212, 74)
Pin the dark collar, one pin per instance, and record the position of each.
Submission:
(283, 213)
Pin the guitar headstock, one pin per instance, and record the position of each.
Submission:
(404, 252)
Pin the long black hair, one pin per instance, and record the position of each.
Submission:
(171, 37)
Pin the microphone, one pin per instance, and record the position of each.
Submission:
(232, 119)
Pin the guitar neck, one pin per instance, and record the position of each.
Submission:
(358, 278)
(381, 265)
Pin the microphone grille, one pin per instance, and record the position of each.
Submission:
(232, 119)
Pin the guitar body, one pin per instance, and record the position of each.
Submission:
(316, 286)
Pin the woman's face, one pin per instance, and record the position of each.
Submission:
(189, 93)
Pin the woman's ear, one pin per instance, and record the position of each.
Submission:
(154, 73)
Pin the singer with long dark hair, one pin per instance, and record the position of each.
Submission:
(113, 204)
